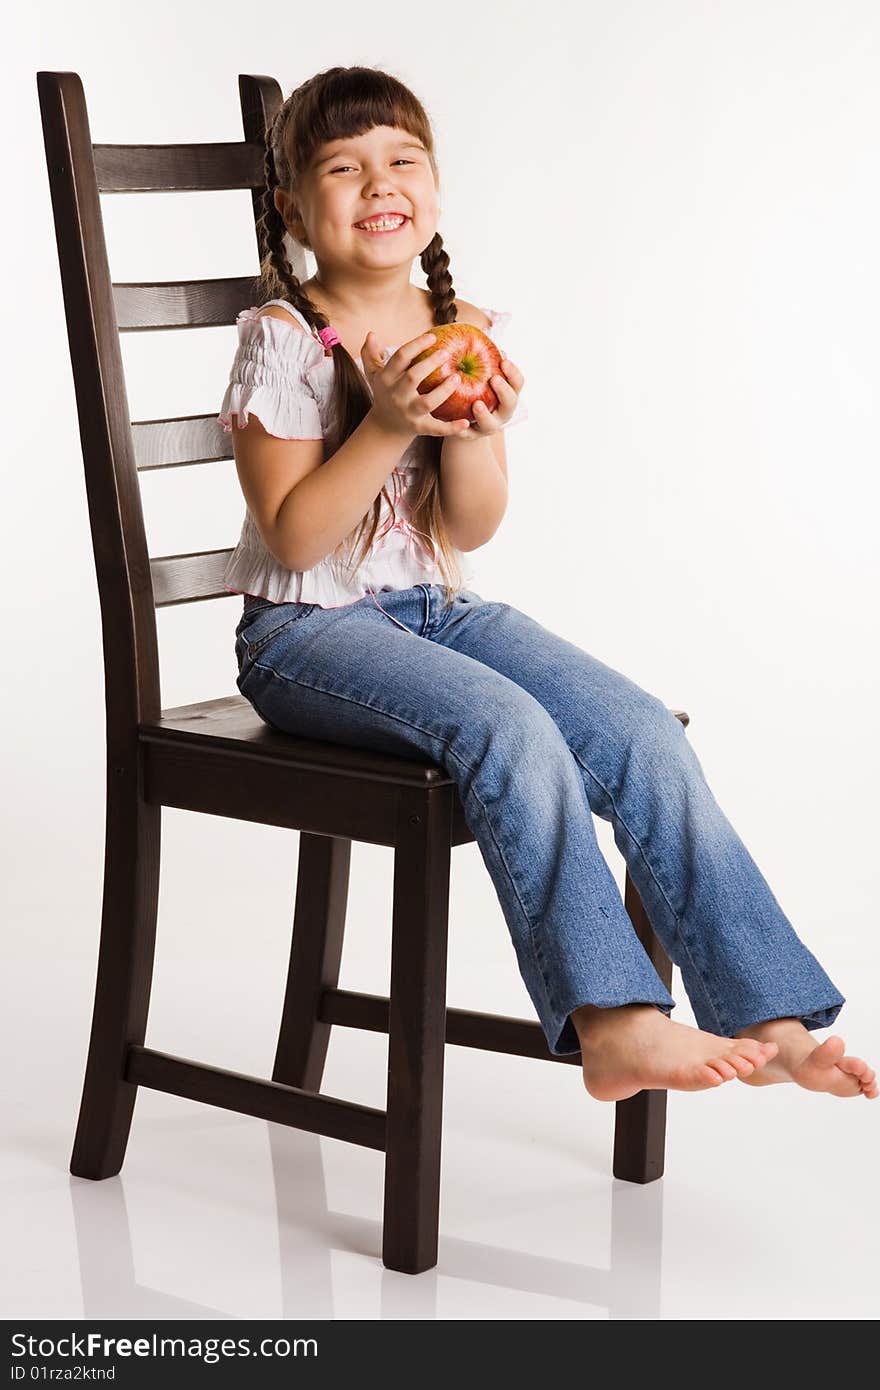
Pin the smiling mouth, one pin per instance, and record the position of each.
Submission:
(381, 231)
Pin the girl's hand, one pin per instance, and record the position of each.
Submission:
(507, 389)
(397, 404)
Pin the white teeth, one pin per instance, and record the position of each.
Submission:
(385, 225)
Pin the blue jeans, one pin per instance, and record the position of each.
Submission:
(537, 735)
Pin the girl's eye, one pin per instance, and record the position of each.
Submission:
(342, 168)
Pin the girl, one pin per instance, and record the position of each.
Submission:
(537, 734)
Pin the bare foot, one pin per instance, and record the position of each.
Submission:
(637, 1048)
(815, 1066)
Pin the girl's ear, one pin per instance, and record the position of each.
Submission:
(279, 198)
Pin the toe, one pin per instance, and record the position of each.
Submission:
(854, 1066)
(743, 1066)
(707, 1075)
(754, 1050)
(866, 1079)
(723, 1068)
(828, 1053)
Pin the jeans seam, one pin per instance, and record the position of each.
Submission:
(536, 950)
(364, 704)
(675, 917)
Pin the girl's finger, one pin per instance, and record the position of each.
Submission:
(483, 416)
(403, 358)
(445, 428)
(433, 398)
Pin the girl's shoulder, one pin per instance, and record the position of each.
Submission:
(472, 313)
(277, 330)
(284, 311)
(492, 321)
(274, 350)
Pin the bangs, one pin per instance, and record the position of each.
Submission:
(351, 103)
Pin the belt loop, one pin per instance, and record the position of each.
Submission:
(427, 623)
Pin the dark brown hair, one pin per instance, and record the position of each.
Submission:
(338, 104)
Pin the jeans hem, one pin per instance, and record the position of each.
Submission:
(562, 1039)
(821, 1017)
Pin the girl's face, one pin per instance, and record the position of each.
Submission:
(384, 170)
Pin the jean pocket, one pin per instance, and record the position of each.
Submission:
(264, 625)
(252, 610)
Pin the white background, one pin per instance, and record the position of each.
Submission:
(679, 204)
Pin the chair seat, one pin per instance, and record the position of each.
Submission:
(231, 722)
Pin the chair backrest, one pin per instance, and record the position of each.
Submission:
(131, 583)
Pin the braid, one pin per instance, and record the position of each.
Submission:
(276, 270)
(435, 264)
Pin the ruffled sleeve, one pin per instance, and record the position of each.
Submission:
(270, 376)
(497, 331)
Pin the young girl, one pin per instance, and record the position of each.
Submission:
(325, 413)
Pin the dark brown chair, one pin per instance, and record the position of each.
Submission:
(219, 758)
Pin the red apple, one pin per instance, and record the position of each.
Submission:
(475, 357)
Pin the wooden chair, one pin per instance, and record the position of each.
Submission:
(219, 758)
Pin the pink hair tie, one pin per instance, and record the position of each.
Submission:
(328, 337)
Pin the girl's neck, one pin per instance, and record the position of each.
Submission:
(407, 319)
(345, 299)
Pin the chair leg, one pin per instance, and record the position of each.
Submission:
(315, 954)
(640, 1122)
(417, 1030)
(124, 977)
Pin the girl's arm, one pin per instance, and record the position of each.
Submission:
(303, 507)
(327, 504)
(473, 490)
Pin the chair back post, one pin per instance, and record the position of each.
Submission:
(131, 658)
(260, 98)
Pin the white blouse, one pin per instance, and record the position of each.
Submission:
(286, 377)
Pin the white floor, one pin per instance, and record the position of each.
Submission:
(767, 1210)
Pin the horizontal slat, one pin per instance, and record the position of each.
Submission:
(186, 439)
(185, 578)
(251, 1095)
(464, 1028)
(183, 303)
(178, 168)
